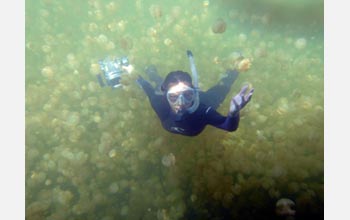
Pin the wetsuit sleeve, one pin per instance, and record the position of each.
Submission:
(229, 123)
(155, 100)
(146, 86)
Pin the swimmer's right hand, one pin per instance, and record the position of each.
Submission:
(240, 100)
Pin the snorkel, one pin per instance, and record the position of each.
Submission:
(195, 82)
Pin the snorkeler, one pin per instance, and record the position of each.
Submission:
(183, 109)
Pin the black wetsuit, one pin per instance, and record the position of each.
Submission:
(191, 124)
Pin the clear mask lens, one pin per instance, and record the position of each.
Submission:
(181, 95)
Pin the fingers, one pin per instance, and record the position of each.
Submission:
(243, 90)
(249, 95)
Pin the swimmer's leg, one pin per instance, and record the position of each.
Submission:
(217, 94)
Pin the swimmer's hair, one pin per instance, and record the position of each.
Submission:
(176, 77)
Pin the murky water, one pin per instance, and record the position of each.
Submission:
(98, 153)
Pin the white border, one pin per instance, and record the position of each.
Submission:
(337, 91)
(12, 183)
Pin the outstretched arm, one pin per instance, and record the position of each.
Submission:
(155, 100)
(146, 86)
(217, 94)
(229, 123)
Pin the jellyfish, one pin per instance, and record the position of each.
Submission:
(168, 160)
(156, 11)
(219, 26)
(126, 43)
(300, 43)
(285, 208)
(113, 188)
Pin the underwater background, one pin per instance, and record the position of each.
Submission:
(98, 153)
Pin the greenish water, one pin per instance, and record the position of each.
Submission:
(96, 153)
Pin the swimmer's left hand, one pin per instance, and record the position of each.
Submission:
(240, 100)
(128, 68)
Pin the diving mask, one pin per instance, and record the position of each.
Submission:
(181, 96)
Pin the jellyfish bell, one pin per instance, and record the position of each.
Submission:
(206, 3)
(156, 11)
(176, 12)
(244, 65)
(168, 160)
(219, 26)
(285, 208)
(126, 42)
(300, 43)
(113, 188)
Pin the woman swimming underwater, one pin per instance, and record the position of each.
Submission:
(183, 109)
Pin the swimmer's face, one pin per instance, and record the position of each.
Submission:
(180, 96)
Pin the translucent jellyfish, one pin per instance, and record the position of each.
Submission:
(285, 208)
(219, 26)
(112, 153)
(262, 118)
(260, 52)
(260, 135)
(48, 182)
(283, 106)
(46, 48)
(242, 37)
(97, 118)
(168, 42)
(98, 14)
(92, 86)
(92, 27)
(111, 7)
(168, 160)
(143, 155)
(152, 32)
(193, 197)
(176, 12)
(156, 11)
(44, 13)
(102, 39)
(162, 214)
(32, 154)
(73, 119)
(126, 43)
(113, 188)
(72, 61)
(300, 43)
(63, 197)
(37, 207)
(273, 193)
(110, 45)
(112, 26)
(124, 211)
(235, 56)
(122, 25)
(47, 72)
(244, 65)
